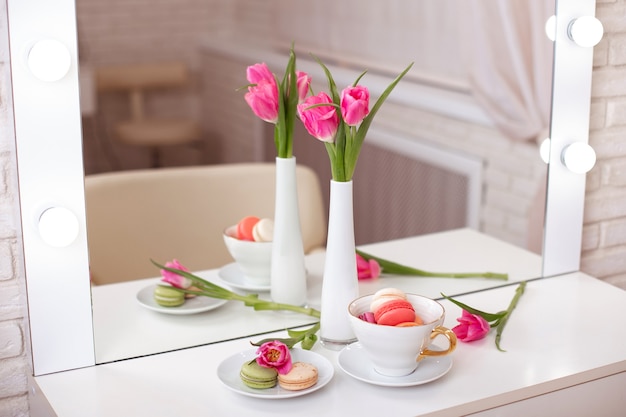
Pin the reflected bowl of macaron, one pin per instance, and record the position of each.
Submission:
(249, 242)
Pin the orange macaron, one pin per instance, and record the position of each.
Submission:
(394, 312)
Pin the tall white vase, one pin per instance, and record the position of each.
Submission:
(340, 282)
(288, 276)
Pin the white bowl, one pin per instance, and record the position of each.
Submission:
(254, 258)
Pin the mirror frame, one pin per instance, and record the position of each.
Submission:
(62, 330)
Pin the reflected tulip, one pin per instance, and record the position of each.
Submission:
(367, 269)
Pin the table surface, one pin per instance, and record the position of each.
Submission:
(124, 329)
(565, 331)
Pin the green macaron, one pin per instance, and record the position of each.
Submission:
(168, 297)
(256, 376)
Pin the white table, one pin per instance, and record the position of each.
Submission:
(565, 355)
(124, 329)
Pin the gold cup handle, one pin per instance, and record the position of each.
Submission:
(448, 334)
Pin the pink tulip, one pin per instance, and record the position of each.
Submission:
(274, 355)
(355, 104)
(262, 96)
(321, 122)
(259, 72)
(173, 279)
(303, 83)
(263, 100)
(367, 269)
(471, 327)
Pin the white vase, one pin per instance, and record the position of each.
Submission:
(340, 282)
(288, 276)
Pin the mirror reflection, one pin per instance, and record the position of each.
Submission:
(456, 145)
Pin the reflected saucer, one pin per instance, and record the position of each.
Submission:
(228, 374)
(192, 305)
(232, 275)
(354, 361)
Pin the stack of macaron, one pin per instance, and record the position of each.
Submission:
(390, 307)
(301, 376)
(255, 229)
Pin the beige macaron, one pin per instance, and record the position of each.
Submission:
(263, 230)
(302, 376)
(383, 295)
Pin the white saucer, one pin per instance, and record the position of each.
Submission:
(232, 275)
(354, 361)
(228, 374)
(192, 305)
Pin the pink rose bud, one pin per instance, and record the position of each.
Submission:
(355, 104)
(274, 355)
(321, 122)
(471, 327)
(174, 279)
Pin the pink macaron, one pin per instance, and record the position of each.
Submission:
(394, 312)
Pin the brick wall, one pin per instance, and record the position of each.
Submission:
(14, 363)
(604, 233)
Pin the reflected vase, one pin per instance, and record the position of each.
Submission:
(288, 273)
(340, 280)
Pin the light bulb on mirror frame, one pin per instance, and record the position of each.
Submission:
(550, 28)
(49, 60)
(58, 227)
(578, 157)
(585, 31)
(544, 150)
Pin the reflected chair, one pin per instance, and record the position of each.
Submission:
(141, 129)
(181, 213)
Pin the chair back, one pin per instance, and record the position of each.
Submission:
(181, 213)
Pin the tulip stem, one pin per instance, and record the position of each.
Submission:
(208, 289)
(518, 293)
(397, 269)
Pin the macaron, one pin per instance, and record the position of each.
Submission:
(263, 230)
(256, 376)
(245, 226)
(394, 312)
(383, 295)
(166, 296)
(302, 376)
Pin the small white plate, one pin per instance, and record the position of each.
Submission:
(228, 373)
(354, 361)
(192, 305)
(232, 275)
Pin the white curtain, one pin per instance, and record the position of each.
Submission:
(509, 62)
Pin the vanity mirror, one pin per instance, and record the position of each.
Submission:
(58, 285)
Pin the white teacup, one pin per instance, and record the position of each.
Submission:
(396, 351)
(254, 258)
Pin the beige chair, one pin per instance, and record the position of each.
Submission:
(135, 216)
(140, 129)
